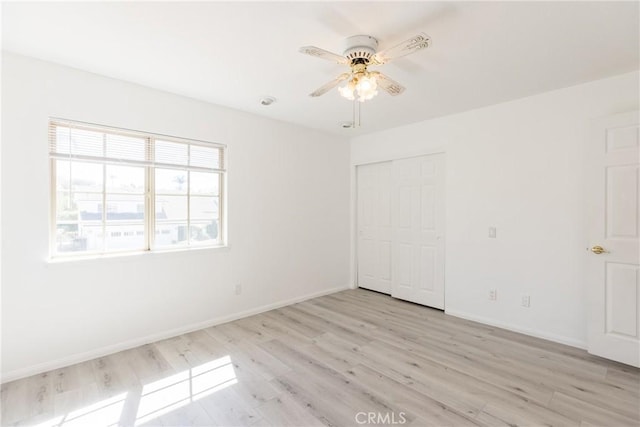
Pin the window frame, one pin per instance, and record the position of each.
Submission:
(150, 167)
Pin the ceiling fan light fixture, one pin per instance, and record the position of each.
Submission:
(363, 84)
(347, 91)
(366, 87)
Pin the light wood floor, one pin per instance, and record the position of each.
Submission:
(331, 361)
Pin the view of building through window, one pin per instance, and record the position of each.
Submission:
(117, 191)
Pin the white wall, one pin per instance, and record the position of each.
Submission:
(516, 166)
(288, 199)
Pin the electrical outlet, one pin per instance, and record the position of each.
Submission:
(493, 294)
(526, 301)
(238, 289)
(492, 232)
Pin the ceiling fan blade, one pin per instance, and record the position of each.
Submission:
(327, 87)
(414, 44)
(389, 85)
(324, 54)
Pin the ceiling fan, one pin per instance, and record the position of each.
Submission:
(360, 53)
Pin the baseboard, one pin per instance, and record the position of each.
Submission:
(126, 345)
(532, 332)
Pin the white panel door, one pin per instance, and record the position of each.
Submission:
(374, 226)
(418, 230)
(613, 278)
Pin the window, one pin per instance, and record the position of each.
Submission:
(117, 190)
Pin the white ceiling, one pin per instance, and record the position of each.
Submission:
(233, 53)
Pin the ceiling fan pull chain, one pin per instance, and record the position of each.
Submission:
(353, 115)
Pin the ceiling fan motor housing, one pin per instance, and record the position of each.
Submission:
(360, 48)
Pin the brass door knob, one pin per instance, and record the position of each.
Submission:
(598, 250)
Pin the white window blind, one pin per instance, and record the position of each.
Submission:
(78, 141)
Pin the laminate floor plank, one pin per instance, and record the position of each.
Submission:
(432, 411)
(624, 381)
(285, 317)
(317, 398)
(589, 413)
(339, 388)
(522, 415)
(275, 327)
(14, 395)
(77, 397)
(472, 366)
(462, 392)
(189, 415)
(287, 327)
(254, 327)
(286, 412)
(543, 359)
(227, 408)
(253, 357)
(572, 384)
(113, 375)
(554, 379)
(324, 348)
(335, 360)
(178, 353)
(148, 363)
(448, 388)
(315, 307)
(327, 325)
(256, 392)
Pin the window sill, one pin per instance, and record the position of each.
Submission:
(134, 256)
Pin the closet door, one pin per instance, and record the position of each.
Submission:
(418, 230)
(374, 226)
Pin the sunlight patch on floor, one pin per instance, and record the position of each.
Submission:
(165, 395)
(105, 413)
(157, 398)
